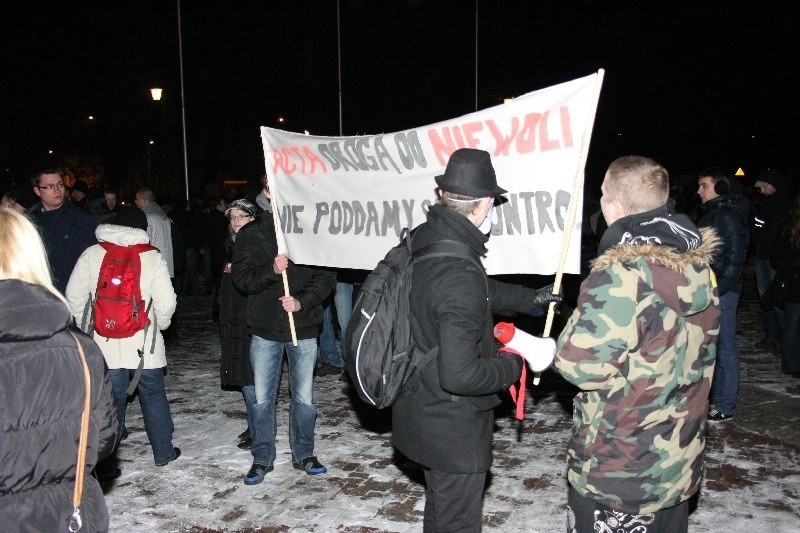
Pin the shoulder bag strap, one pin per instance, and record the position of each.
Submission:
(75, 521)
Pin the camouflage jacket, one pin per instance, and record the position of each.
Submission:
(641, 346)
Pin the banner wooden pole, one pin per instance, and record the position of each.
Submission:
(283, 274)
(577, 191)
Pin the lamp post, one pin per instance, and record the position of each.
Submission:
(150, 143)
(155, 94)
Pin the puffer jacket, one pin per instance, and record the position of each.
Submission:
(641, 347)
(155, 284)
(728, 215)
(447, 423)
(41, 402)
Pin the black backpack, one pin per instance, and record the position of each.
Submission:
(381, 355)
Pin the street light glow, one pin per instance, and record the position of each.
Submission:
(155, 92)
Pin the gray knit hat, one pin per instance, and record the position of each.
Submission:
(243, 205)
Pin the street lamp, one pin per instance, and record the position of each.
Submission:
(155, 92)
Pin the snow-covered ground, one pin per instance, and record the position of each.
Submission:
(752, 481)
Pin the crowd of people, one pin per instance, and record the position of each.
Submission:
(651, 343)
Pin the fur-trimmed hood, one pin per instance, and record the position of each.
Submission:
(666, 255)
(684, 280)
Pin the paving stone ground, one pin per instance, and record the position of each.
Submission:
(752, 480)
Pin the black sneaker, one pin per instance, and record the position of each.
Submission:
(715, 416)
(245, 444)
(244, 435)
(177, 454)
(256, 474)
(310, 465)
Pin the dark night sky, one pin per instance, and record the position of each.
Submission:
(689, 84)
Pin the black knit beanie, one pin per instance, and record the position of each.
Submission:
(132, 217)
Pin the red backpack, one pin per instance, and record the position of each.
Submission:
(119, 311)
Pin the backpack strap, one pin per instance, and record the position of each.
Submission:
(87, 320)
(137, 374)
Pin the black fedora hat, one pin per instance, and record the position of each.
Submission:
(470, 172)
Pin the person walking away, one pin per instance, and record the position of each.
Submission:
(66, 230)
(235, 369)
(257, 272)
(446, 424)
(123, 355)
(640, 346)
(42, 391)
(727, 213)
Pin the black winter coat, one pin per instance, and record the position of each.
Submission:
(235, 369)
(447, 423)
(786, 261)
(773, 212)
(253, 254)
(41, 401)
(728, 215)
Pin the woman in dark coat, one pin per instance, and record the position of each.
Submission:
(235, 370)
(42, 394)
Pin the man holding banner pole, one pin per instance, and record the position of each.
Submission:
(446, 424)
(280, 320)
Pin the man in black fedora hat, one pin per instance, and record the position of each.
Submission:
(446, 424)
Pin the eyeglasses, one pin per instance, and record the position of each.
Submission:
(236, 218)
(59, 186)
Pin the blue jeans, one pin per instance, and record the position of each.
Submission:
(725, 387)
(266, 357)
(773, 319)
(155, 408)
(249, 393)
(790, 344)
(343, 303)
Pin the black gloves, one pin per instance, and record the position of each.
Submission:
(545, 296)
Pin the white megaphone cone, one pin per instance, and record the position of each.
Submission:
(537, 351)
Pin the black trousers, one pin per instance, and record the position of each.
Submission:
(453, 502)
(587, 516)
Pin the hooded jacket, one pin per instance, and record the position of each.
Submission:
(41, 402)
(641, 346)
(447, 423)
(155, 284)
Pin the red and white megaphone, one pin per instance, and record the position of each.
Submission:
(537, 351)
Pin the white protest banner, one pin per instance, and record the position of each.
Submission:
(343, 201)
